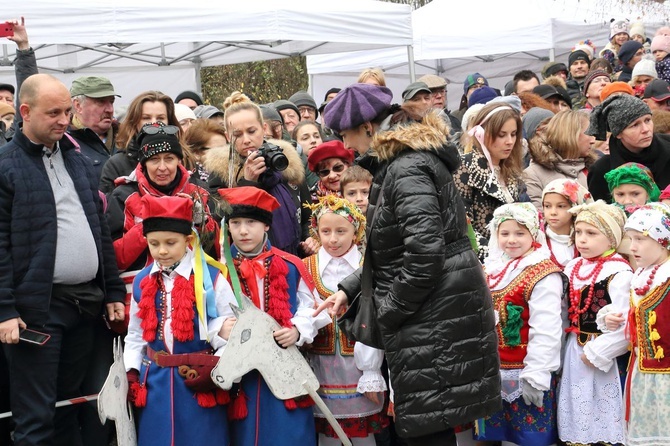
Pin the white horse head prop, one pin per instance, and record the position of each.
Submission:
(251, 345)
(113, 400)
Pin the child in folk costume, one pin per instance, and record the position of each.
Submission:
(590, 396)
(349, 372)
(557, 199)
(631, 185)
(648, 386)
(279, 284)
(169, 345)
(527, 289)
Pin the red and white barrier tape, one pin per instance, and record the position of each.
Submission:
(70, 402)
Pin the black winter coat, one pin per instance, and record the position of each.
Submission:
(28, 229)
(433, 304)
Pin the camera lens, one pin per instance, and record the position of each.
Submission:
(278, 161)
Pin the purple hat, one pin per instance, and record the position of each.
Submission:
(356, 104)
(482, 95)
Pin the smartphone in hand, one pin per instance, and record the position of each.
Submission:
(6, 29)
(33, 337)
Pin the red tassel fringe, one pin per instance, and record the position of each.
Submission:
(290, 404)
(183, 309)
(147, 307)
(206, 399)
(279, 307)
(140, 393)
(238, 410)
(222, 397)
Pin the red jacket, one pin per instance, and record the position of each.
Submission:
(125, 221)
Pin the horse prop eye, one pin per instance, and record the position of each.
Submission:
(246, 335)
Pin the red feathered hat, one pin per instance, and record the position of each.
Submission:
(330, 149)
(250, 202)
(174, 214)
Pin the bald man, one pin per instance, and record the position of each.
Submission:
(58, 272)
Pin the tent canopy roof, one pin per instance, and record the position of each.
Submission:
(69, 37)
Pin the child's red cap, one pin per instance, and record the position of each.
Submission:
(250, 202)
(174, 214)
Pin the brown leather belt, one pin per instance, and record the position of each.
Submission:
(163, 359)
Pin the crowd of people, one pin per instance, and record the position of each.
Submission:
(503, 266)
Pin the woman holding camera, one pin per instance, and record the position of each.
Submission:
(272, 165)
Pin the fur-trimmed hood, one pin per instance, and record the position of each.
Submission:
(217, 162)
(431, 134)
(547, 157)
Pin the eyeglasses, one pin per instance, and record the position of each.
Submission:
(152, 129)
(439, 92)
(305, 109)
(337, 168)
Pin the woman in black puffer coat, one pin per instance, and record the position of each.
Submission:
(433, 305)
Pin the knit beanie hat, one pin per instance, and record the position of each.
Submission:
(283, 104)
(607, 218)
(513, 101)
(574, 192)
(474, 79)
(652, 220)
(633, 173)
(482, 96)
(188, 95)
(628, 50)
(592, 75)
(355, 105)
(182, 111)
(578, 55)
(617, 27)
(270, 113)
(158, 138)
(645, 67)
(532, 120)
(616, 87)
(552, 68)
(587, 46)
(661, 43)
(615, 114)
(302, 98)
(329, 92)
(637, 29)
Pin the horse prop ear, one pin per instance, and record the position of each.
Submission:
(113, 400)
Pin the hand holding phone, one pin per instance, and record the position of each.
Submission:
(33, 337)
(7, 29)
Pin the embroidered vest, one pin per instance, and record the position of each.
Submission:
(586, 326)
(652, 330)
(330, 335)
(178, 347)
(511, 303)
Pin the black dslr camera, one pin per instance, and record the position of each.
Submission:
(274, 157)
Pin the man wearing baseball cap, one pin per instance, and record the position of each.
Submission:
(7, 94)
(472, 82)
(657, 94)
(93, 115)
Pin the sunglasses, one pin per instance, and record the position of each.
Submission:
(151, 129)
(337, 168)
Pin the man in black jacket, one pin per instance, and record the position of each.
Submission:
(93, 114)
(57, 266)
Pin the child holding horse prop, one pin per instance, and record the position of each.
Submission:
(173, 332)
(277, 283)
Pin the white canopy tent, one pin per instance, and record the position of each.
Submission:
(162, 46)
(497, 40)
